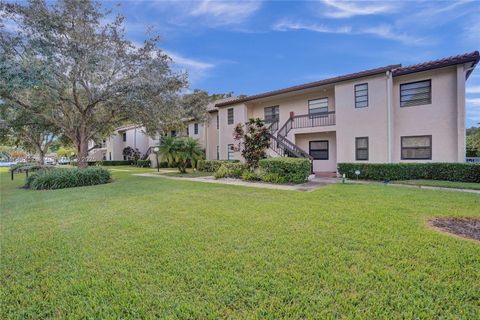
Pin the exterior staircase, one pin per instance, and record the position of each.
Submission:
(281, 145)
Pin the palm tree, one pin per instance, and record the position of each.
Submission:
(193, 151)
(168, 149)
(180, 151)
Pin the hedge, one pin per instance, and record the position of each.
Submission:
(284, 170)
(143, 163)
(67, 178)
(230, 170)
(212, 165)
(114, 162)
(463, 172)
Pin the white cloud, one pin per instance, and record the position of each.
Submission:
(473, 89)
(196, 69)
(188, 63)
(381, 31)
(475, 102)
(225, 12)
(347, 9)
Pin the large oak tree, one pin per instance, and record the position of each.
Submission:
(70, 64)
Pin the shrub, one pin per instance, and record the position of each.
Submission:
(114, 162)
(273, 178)
(285, 170)
(143, 163)
(253, 140)
(212, 165)
(250, 176)
(221, 172)
(67, 178)
(464, 172)
(230, 170)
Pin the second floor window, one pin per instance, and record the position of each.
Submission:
(317, 107)
(271, 114)
(361, 148)
(124, 137)
(195, 128)
(416, 148)
(319, 149)
(218, 122)
(361, 95)
(416, 93)
(230, 115)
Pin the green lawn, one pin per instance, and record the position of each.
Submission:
(443, 184)
(145, 247)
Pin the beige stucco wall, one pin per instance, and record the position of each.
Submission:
(438, 119)
(297, 104)
(211, 135)
(136, 138)
(368, 122)
(330, 165)
(226, 130)
(200, 136)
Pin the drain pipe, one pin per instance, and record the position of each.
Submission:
(389, 115)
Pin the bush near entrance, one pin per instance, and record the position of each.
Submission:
(464, 172)
(212, 165)
(284, 170)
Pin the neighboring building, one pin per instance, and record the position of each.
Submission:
(207, 133)
(383, 115)
(133, 136)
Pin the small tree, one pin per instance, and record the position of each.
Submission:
(253, 141)
(180, 152)
(131, 153)
(21, 128)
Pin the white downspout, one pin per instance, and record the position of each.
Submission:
(389, 116)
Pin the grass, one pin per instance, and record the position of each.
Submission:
(443, 184)
(155, 248)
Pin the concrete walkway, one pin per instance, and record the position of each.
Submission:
(308, 186)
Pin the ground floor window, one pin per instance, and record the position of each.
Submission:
(416, 147)
(230, 151)
(218, 153)
(319, 149)
(361, 148)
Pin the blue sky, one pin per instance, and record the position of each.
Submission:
(251, 47)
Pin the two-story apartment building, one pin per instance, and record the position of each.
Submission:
(383, 115)
(133, 136)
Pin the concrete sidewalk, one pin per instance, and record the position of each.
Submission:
(308, 186)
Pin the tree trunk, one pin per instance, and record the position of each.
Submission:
(41, 156)
(82, 154)
(82, 148)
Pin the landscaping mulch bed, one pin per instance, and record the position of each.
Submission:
(463, 227)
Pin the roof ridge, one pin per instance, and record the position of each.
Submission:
(438, 63)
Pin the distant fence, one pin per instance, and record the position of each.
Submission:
(473, 159)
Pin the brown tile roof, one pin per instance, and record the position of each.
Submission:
(396, 69)
(350, 76)
(211, 106)
(445, 62)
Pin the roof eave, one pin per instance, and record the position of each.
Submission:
(348, 77)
